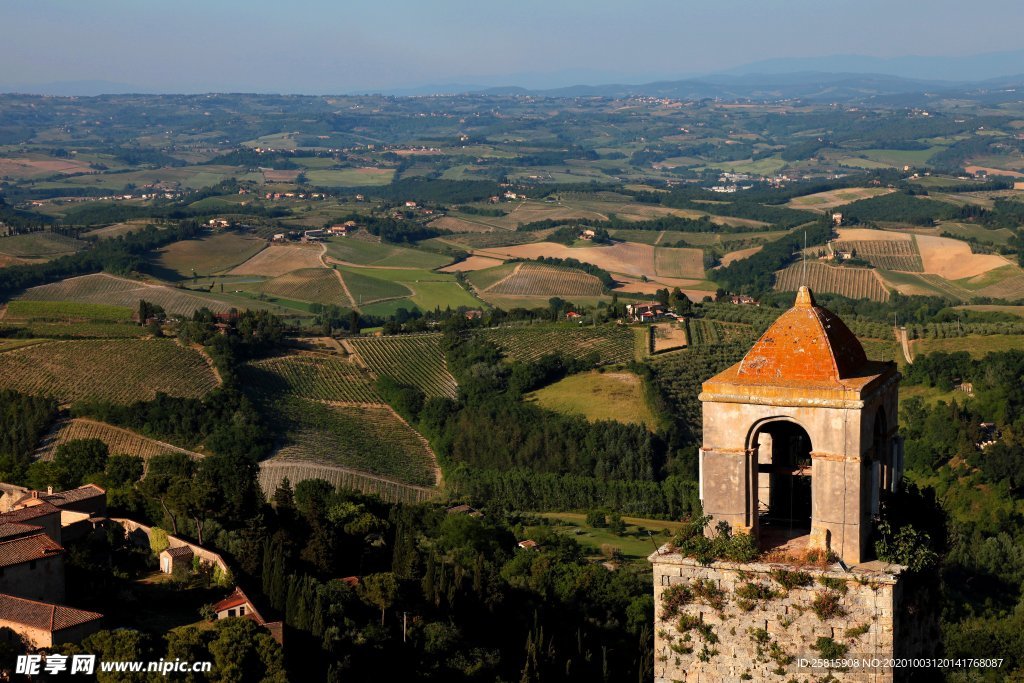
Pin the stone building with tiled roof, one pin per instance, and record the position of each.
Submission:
(41, 514)
(45, 625)
(800, 437)
(90, 499)
(32, 567)
(172, 559)
(238, 604)
(799, 442)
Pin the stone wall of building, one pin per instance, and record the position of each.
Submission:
(731, 622)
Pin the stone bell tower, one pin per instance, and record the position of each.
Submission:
(800, 436)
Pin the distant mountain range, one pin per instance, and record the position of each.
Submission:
(830, 78)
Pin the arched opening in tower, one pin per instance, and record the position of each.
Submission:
(783, 480)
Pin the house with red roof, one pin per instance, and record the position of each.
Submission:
(238, 604)
(45, 625)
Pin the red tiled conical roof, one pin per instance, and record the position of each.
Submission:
(806, 343)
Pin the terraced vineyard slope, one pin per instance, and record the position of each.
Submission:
(119, 441)
(413, 359)
(313, 377)
(370, 439)
(528, 279)
(855, 283)
(120, 371)
(613, 343)
(315, 285)
(101, 288)
(888, 254)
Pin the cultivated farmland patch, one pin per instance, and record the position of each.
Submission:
(280, 259)
(101, 288)
(413, 359)
(528, 279)
(888, 254)
(120, 371)
(855, 283)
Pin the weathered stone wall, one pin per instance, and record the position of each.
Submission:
(731, 622)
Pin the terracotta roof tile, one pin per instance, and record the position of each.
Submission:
(14, 530)
(27, 548)
(64, 497)
(181, 551)
(40, 509)
(42, 615)
(807, 343)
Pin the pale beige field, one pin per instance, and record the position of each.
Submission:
(37, 167)
(823, 201)
(739, 255)
(470, 264)
(461, 225)
(622, 257)
(953, 259)
(865, 234)
(993, 171)
(280, 259)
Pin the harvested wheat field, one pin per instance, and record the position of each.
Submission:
(460, 225)
(953, 259)
(864, 234)
(470, 264)
(830, 199)
(280, 259)
(622, 257)
(739, 255)
(682, 263)
(529, 279)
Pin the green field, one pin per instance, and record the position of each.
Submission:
(635, 543)
(66, 311)
(350, 177)
(365, 288)
(596, 395)
(367, 253)
(206, 256)
(431, 294)
(37, 245)
(976, 345)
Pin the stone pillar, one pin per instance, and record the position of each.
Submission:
(726, 477)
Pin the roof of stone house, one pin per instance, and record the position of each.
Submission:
(26, 548)
(64, 497)
(807, 342)
(14, 530)
(40, 509)
(42, 615)
(180, 551)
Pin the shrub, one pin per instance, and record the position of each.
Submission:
(674, 598)
(830, 649)
(158, 540)
(827, 605)
(749, 594)
(790, 580)
(837, 585)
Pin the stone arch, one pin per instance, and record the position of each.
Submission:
(782, 447)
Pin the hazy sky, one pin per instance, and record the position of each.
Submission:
(356, 45)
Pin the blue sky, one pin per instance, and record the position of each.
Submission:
(356, 45)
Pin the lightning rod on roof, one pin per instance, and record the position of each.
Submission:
(803, 266)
